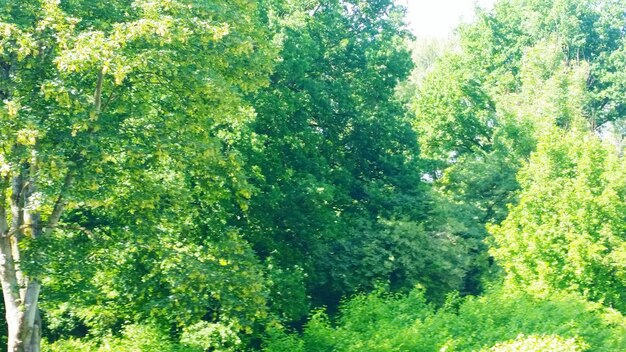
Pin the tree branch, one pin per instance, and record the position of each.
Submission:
(16, 208)
(109, 100)
(4, 225)
(60, 204)
(97, 97)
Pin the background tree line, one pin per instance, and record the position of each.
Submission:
(303, 175)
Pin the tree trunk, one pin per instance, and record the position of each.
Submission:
(20, 292)
(21, 303)
(24, 328)
(24, 336)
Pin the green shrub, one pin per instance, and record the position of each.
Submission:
(538, 344)
(496, 321)
(135, 338)
(205, 336)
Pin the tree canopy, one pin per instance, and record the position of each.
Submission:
(182, 175)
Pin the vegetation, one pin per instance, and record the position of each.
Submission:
(496, 321)
(283, 175)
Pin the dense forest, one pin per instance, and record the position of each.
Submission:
(306, 175)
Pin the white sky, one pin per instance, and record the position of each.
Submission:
(438, 18)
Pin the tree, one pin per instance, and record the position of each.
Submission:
(586, 30)
(455, 115)
(567, 232)
(335, 153)
(91, 104)
(480, 110)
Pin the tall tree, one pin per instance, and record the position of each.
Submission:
(587, 30)
(567, 232)
(481, 109)
(94, 96)
(337, 157)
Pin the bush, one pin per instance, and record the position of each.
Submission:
(538, 344)
(496, 321)
(135, 338)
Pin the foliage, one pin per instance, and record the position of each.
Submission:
(494, 322)
(567, 232)
(407, 254)
(454, 113)
(135, 338)
(206, 336)
(588, 30)
(520, 69)
(335, 157)
(538, 344)
(288, 298)
(181, 175)
(119, 125)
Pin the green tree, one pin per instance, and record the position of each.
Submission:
(337, 161)
(587, 30)
(101, 99)
(520, 68)
(567, 232)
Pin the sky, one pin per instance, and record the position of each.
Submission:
(438, 18)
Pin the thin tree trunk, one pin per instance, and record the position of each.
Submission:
(23, 320)
(20, 292)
